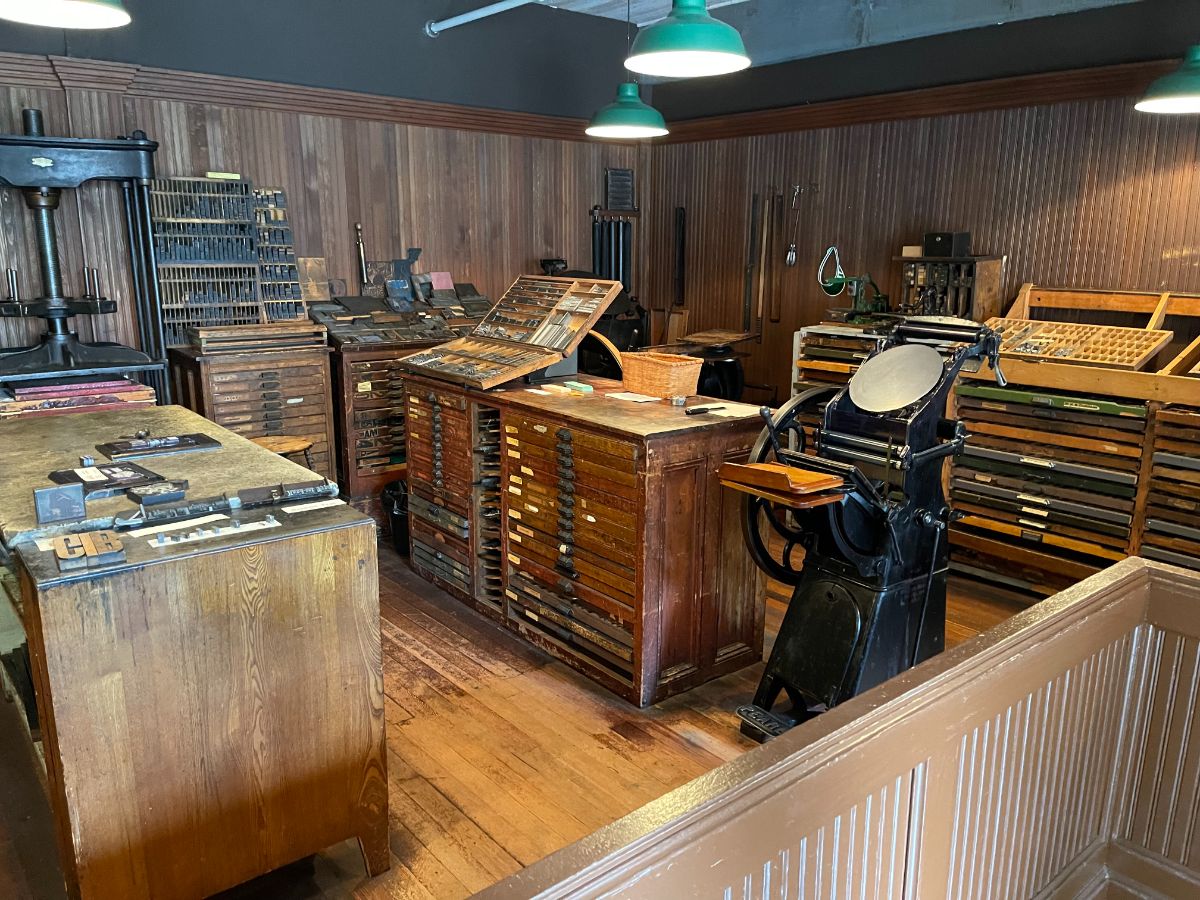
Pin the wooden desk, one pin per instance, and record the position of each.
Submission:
(618, 549)
(213, 709)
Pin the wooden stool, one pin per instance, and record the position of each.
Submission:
(287, 446)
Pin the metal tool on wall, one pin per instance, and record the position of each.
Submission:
(765, 260)
(775, 283)
(612, 245)
(797, 190)
(790, 258)
(752, 254)
(680, 254)
(362, 255)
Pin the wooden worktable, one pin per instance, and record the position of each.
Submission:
(61, 440)
(622, 418)
(211, 708)
(604, 533)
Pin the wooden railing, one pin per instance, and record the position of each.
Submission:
(1051, 756)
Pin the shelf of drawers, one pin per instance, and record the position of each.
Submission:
(1171, 532)
(370, 413)
(285, 392)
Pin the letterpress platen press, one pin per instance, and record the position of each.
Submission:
(870, 597)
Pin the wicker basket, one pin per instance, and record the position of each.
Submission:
(660, 374)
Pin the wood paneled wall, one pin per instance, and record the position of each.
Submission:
(1085, 192)
(483, 205)
(1077, 194)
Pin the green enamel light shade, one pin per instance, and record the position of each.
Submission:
(688, 43)
(66, 13)
(627, 117)
(1178, 92)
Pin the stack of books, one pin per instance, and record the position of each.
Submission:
(84, 393)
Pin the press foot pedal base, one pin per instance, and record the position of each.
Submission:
(761, 724)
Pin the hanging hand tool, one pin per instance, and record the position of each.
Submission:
(790, 259)
(362, 255)
(751, 260)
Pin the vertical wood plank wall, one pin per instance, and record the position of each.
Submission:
(484, 206)
(1086, 193)
(1082, 194)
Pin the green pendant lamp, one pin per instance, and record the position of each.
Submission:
(1178, 92)
(66, 13)
(688, 43)
(627, 117)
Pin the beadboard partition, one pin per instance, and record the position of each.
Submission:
(485, 193)
(1054, 756)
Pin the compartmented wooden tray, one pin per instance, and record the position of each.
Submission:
(536, 323)
(1074, 342)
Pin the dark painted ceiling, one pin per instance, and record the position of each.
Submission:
(1147, 30)
(557, 62)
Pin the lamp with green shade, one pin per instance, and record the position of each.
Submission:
(627, 117)
(66, 13)
(1178, 92)
(688, 43)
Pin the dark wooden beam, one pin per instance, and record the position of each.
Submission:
(1128, 80)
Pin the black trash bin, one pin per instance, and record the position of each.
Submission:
(395, 505)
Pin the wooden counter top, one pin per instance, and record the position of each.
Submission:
(622, 417)
(32, 448)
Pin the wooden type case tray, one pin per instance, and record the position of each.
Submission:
(538, 322)
(1059, 471)
(1079, 343)
(1172, 532)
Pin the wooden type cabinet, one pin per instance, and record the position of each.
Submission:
(453, 485)
(370, 410)
(279, 392)
(621, 553)
(212, 706)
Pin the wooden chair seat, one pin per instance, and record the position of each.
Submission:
(285, 445)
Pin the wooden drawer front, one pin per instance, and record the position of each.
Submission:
(454, 547)
(573, 628)
(552, 467)
(439, 516)
(456, 502)
(606, 518)
(372, 366)
(573, 559)
(271, 410)
(549, 434)
(266, 377)
(616, 603)
(434, 561)
(267, 389)
(423, 397)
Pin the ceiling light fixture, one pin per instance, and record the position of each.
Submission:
(1178, 92)
(66, 13)
(627, 117)
(688, 43)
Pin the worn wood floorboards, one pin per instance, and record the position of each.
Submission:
(497, 754)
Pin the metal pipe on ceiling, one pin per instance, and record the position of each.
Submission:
(433, 29)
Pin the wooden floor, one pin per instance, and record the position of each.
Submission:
(497, 755)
